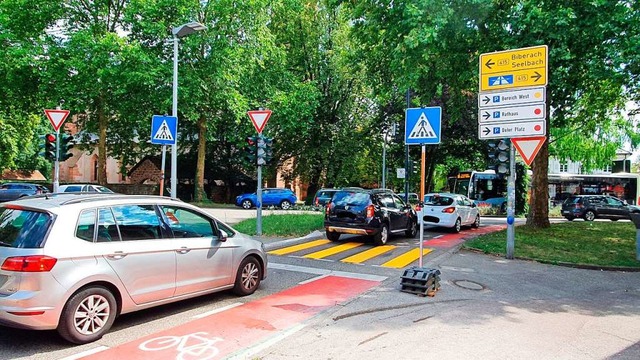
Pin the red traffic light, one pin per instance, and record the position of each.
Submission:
(50, 138)
(251, 140)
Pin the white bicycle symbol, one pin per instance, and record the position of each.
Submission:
(190, 346)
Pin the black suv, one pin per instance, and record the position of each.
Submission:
(590, 207)
(376, 213)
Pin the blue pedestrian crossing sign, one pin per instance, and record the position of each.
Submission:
(423, 125)
(164, 130)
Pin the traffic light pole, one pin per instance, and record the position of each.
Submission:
(56, 164)
(259, 204)
(511, 201)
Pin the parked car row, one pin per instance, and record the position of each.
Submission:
(75, 262)
(13, 191)
(591, 207)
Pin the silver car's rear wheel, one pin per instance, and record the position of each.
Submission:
(88, 315)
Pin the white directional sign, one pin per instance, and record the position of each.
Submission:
(512, 129)
(512, 113)
(511, 98)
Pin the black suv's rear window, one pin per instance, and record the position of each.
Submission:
(573, 200)
(351, 198)
(21, 228)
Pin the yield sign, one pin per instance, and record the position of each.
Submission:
(57, 117)
(259, 118)
(528, 147)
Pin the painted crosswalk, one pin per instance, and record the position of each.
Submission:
(354, 253)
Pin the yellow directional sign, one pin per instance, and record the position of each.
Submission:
(514, 68)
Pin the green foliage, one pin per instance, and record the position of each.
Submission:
(286, 225)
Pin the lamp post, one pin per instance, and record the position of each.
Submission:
(178, 32)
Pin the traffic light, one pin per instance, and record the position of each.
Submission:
(251, 149)
(268, 150)
(50, 147)
(261, 151)
(66, 144)
(415, 168)
(499, 156)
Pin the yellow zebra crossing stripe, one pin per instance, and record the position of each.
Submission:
(368, 254)
(406, 258)
(332, 250)
(303, 246)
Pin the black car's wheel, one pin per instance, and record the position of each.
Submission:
(503, 208)
(248, 277)
(589, 215)
(247, 204)
(476, 223)
(569, 218)
(285, 205)
(615, 219)
(457, 226)
(412, 231)
(382, 237)
(88, 315)
(333, 236)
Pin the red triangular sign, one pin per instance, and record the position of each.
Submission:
(528, 147)
(259, 118)
(57, 117)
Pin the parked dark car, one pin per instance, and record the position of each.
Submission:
(590, 207)
(375, 213)
(13, 191)
(283, 198)
(323, 196)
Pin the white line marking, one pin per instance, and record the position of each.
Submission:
(250, 352)
(310, 270)
(435, 237)
(215, 311)
(86, 353)
(313, 279)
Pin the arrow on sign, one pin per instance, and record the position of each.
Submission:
(56, 117)
(486, 115)
(489, 63)
(486, 99)
(528, 147)
(537, 76)
(486, 131)
(259, 118)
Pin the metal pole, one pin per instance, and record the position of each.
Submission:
(511, 201)
(56, 166)
(422, 165)
(259, 204)
(384, 161)
(406, 160)
(174, 147)
(164, 159)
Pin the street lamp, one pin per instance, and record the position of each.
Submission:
(178, 32)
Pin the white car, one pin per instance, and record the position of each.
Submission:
(450, 210)
(93, 188)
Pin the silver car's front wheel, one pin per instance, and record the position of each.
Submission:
(88, 315)
(248, 277)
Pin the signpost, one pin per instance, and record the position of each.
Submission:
(164, 131)
(56, 118)
(512, 103)
(515, 68)
(259, 119)
(511, 129)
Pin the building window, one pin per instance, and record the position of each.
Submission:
(564, 168)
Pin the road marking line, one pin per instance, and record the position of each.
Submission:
(86, 353)
(303, 246)
(316, 271)
(332, 250)
(215, 311)
(368, 254)
(250, 352)
(406, 258)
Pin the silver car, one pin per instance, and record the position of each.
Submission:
(75, 262)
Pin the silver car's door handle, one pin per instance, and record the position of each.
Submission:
(183, 250)
(117, 255)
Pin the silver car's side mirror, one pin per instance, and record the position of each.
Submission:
(222, 235)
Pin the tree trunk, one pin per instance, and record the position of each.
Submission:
(539, 202)
(102, 144)
(200, 194)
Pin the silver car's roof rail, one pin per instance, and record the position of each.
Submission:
(102, 196)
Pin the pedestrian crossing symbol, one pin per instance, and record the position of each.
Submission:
(163, 130)
(423, 125)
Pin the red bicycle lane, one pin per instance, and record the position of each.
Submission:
(249, 324)
(451, 240)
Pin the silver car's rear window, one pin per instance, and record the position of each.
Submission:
(22, 228)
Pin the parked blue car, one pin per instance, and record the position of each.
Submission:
(283, 198)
